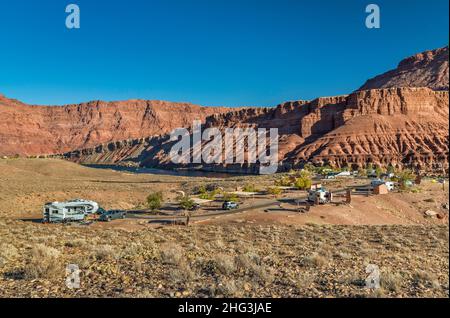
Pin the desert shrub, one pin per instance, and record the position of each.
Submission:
(224, 263)
(262, 274)
(184, 273)
(171, 253)
(43, 262)
(285, 181)
(154, 201)
(390, 281)
(104, 252)
(227, 288)
(8, 251)
(78, 242)
(133, 250)
(200, 190)
(247, 261)
(362, 172)
(314, 260)
(249, 188)
(209, 195)
(275, 191)
(427, 279)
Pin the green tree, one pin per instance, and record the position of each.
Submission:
(390, 169)
(230, 197)
(186, 203)
(154, 201)
(378, 171)
(405, 176)
(369, 168)
(303, 183)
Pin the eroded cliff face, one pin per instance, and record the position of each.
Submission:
(402, 126)
(399, 126)
(38, 130)
(426, 69)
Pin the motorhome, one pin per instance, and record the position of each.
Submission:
(69, 211)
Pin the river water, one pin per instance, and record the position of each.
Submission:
(184, 173)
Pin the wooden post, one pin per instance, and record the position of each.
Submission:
(348, 196)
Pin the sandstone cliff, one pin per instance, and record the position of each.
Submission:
(37, 130)
(426, 69)
(402, 126)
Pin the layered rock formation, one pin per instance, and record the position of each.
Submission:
(37, 130)
(399, 126)
(426, 69)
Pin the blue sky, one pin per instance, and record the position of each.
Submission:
(210, 52)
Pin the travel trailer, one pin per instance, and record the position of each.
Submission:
(69, 211)
(320, 196)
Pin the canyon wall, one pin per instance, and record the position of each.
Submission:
(38, 130)
(402, 126)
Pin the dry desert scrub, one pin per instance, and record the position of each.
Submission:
(224, 261)
(43, 262)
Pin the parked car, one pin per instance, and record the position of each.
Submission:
(112, 215)
(195, 207)
(229, 205)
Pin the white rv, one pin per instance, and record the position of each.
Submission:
(74, 210)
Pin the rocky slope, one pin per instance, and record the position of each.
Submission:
(37, 130)
(426, 69)
(402, 126)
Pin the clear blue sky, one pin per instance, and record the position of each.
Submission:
(210, 52)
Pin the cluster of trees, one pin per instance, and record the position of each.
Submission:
(302, 180)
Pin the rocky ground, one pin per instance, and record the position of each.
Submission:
(216, 261)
